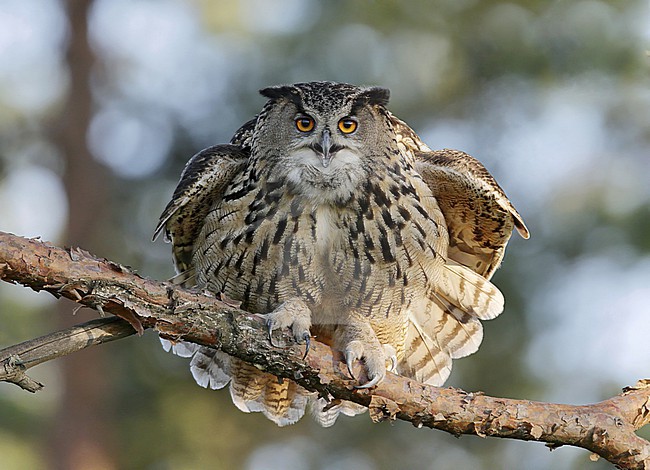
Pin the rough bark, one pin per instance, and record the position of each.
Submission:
(606, 428)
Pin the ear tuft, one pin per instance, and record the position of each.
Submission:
(289, 92)
(371, 96)
(377, 95)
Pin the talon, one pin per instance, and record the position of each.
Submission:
(269, 327)
(307, 339)
(375, 380)
(348, 361)
(391, 354)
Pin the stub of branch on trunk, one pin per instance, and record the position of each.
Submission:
(606, 428)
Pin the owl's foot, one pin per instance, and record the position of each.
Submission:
(361, 343)
(294, 314)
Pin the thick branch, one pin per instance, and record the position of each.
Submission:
(606, 428)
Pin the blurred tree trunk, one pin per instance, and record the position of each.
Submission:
(82, 434)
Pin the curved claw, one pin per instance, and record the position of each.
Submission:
(348, 362)
(269, 329)
(307, 339)
(375, 380)
(393, 364)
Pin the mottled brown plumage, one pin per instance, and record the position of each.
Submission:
(331, 214)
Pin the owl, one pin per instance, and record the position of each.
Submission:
(329, 215)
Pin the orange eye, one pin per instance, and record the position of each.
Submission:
(347, 125)
(304, 124)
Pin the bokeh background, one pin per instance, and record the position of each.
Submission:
(102, 102)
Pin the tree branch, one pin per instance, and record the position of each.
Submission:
(606, 428)
(15, 360)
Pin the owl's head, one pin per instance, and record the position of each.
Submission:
(323, 138)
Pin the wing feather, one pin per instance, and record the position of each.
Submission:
(470, 292)
(479, 216)
(202, 183)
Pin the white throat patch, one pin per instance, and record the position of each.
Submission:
(325, 185)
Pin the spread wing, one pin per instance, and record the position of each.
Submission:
(480, 218)
(203, 181)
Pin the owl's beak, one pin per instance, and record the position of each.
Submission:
(326, 156)
(325, 148)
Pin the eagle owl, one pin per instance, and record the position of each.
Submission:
(328, 214)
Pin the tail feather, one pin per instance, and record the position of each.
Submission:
(252, 391)
(180, 348)
(247, 386)
(283, 402)
(325, 414)
(211, 368)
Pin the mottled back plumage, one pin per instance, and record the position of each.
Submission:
(331, 216)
